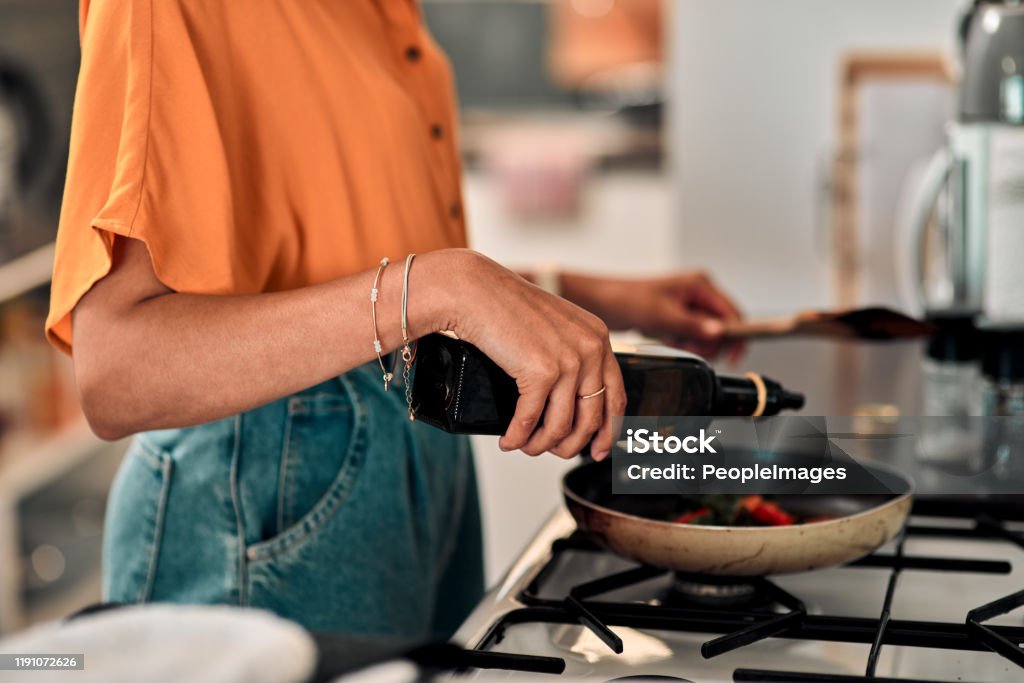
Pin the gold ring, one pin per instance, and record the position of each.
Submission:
(596, 393)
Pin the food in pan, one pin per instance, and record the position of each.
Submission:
(736, 510)
(640, 527)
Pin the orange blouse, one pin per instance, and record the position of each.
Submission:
(255, 146)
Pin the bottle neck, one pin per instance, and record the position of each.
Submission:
(752, 395)
(658, 385)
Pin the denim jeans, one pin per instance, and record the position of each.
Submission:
(328, 507)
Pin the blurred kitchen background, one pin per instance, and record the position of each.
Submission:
(774, 144)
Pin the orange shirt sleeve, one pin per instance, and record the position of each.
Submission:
(128, 130)
(254, 146)
(107, 146)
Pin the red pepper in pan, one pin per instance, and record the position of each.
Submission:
(772, 515)
(766, 512)
(749, 503)
(693, 516)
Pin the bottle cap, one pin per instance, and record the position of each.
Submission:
(957, 339)
(1003, 355)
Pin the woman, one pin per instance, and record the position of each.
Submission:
(237, 173)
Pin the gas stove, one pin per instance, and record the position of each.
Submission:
(936, 605)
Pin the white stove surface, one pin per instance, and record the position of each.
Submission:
(852, 591)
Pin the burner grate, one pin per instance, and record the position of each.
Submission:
(574, 603)
(774, 625)
(886, 614)
(861, 630)
(986, 634)
(759, 676)
(740, 626)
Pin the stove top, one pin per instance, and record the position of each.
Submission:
(937, 604)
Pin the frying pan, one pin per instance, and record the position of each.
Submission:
(634, 527)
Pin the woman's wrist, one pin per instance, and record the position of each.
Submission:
(433, 290)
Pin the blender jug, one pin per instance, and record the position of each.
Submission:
(975, 186)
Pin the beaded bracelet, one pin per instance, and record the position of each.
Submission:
(378, 349)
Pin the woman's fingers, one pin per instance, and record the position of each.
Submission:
(735, 351)
(589, 413)
(533, 396)
(702, 347)
(558, 418)
(696, 326)
(714, 300)
(697, 314)
(614, 408)
(569, 421)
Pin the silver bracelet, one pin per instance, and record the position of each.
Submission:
(377, 348)
(408, 354)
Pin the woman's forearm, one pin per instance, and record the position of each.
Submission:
(146, 357)
(175, 359)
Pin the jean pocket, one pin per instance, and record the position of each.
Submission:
(135, 522)
(322, 451)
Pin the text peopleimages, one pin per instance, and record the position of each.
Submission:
(813, 475)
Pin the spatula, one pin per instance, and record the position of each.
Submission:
(875, 323)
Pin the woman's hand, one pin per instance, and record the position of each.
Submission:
(554, 350)
(687, 310)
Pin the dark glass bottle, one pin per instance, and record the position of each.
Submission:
(457, 388)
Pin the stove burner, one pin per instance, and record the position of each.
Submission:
(775, 613)
(714, 591)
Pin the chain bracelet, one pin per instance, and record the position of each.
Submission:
(408, 355)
